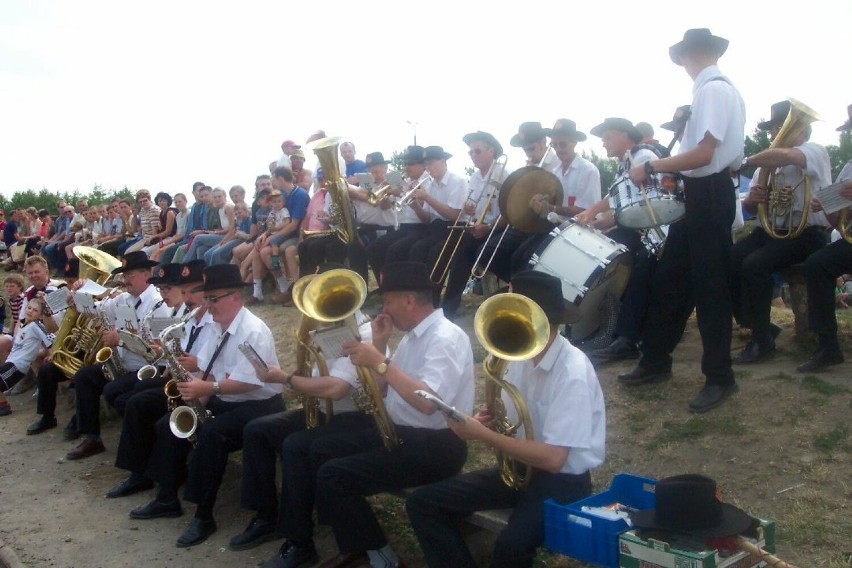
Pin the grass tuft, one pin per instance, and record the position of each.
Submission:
(822, 386)
(833, 439)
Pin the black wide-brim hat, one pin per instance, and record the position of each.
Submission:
(486, 137)
(565, 127)
(778, 114)
(546, 291)
(192, 272)
(405, 276)
(619, 124)
(687, 504)
(435, 153)
(376, 159)
(413, 155)
(221, 277)
(681, 116)
(528, 133)
(848, 124)
(167, 274)
(700, 37)
(134, 261)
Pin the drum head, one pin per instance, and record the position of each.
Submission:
(517, 191)
(667, 210)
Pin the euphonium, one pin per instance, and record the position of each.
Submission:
(71, 354)
(511, 327)
(780, 195)
(341, 209)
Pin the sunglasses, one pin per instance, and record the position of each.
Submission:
(215, 299)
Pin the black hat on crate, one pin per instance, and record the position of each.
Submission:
(619, 124)
(486, 137)
(528, 133)
(405, 276)
(221, 276)
(546, 291)
(134, 261)
(376, 159)
(167, 274)
(192, 272)
(779, 112)
(435, 153)
(700, 37)
(565, 127)
(681, 115)
(413, 155)
(689, 504)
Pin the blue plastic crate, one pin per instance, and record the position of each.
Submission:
(573, 532)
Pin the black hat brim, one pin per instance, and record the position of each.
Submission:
(221, 286)
(631, 131)
(845, 126)
(484, 137)
(769, 124)
(142, 265)
(575, 134)
(718, 44)
(734, 521)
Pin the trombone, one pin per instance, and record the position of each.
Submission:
(495, 173)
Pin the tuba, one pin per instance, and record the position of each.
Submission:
(511, 327)
(781, 195)
(341, 211)
(78, 338)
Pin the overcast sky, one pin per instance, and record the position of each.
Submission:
(159, 94)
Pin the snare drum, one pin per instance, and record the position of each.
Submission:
(633, 209)
(590, 266)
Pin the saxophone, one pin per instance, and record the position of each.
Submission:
(184, 418)
(107, 356)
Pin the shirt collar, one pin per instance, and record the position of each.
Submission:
(704, 76)
(549, 360)
(235, 325)
(147, 294)
(427, 322)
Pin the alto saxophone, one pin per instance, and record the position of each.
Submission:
(113, 367)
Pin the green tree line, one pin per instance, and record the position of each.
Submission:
(46, 199)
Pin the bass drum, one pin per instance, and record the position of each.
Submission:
(590, 266)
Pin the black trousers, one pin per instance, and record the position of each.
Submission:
(637, 294)
(314, 251)
(400, 249)
(753, 260)
(821, 270)
(49, 377)
(91, 383)
(435, 512)
(522, 255)
(377, 250)
(503, 266)
(694, 272)
(298, 474)
(141, 413)
(216, 438)
(459, 273)
(355, 465)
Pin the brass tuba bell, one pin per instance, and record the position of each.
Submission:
(338, 190)
(511, 327)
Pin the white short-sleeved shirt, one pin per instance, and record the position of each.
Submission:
(476, 188)
(818, 169)
(232, 364)
(204, 335)
(281, 216)
(581, 183)
(450, 190)
(29, 339)
(565, 402)
(149, 298)
(374, 215)
(407, 215)
(437, 352)
(717, 108)
(343, 369)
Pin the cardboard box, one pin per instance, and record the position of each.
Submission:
(636, 552)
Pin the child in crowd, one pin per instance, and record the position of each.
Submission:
(14, 285)
(30, 339)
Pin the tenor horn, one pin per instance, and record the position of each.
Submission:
(776, 216)
(342, 217)
(511, 327)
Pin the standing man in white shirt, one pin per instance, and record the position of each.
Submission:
(695, 266)
(756, 257)
(435, 355)
(568, 417)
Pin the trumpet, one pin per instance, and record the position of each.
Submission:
(407, 198)
(492, 184)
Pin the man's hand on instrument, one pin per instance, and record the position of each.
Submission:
(362, 354)
(472, 428)
(195, 388)
(469, 207)
(188, 362)
(480, 230)
(757, 194)
(638, 175)
(420, 194)
(540, 205)
(585, 218)
(846, 190)
(110, 337)
(816, 206)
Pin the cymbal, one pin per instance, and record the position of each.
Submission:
(517, 191)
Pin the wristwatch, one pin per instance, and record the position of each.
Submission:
(382, 367)
(649, 169)
(217, 388)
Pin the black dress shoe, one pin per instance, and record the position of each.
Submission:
(257, 532)
(157, 509)
(619, 350)
(197, 532)
(755, 352)
(710, 397)
(821, 359)
(87, 448)
(640, 375)
(348, 560)
(41, 425)
(70, 432)
(134, 483)
(292, 556)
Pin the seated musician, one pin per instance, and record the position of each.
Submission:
(566, 408)
(142, 297)
(756, 257)
(374, 220)
(148, 405)
(435, 355)
(230, 389)
(286, 434)
(821, 268)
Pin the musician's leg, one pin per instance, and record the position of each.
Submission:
(137, 439)
(49, 377)
(167, 464)
(521, 256)
(739, 252)
(821, 270)
(89, 381)
(118, 392)
(459, 273)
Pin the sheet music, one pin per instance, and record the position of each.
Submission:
(330, 340)
(83, 303)
(92, 288)
(125, 318)
(157, 325)
(365, 181)
(58, 299)
(394, 179)
(136, 344)
(252, 355)
(830, 198)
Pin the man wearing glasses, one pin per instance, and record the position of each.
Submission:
(228, 386)
(532, 138)
(581, 180)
